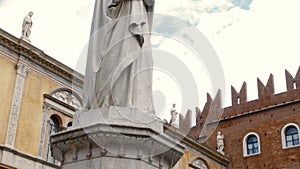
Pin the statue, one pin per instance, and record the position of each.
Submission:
(119, 61)
(220, 143)
(173, 114)
(26, 26)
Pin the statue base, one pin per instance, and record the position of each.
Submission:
(116, 137)
(25, 39)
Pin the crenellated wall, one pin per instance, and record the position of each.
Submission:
(213, 111)
(266, 116)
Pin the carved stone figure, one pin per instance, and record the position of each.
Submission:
(199, 164)
(119, 61)
(67, 98)
(26, 26)
(220, 143)
(173, 114)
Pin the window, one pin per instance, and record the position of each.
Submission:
(53, 125)
(53, 128)
(251, 144)
(290, 135)
(59, 108)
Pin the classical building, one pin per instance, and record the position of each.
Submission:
(262, 133)
(39, 97)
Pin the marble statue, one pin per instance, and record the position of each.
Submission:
(173, 114)
(26, 26)
(220, 143)
(119, 62)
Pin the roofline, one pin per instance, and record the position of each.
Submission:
(38, 56)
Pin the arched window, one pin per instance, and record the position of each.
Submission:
(53, 128)
(290, 135)
(198, 164)
(53, 125)
(251, 144)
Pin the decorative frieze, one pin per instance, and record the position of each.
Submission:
(68, 98)
(16, 104)
(39, 57)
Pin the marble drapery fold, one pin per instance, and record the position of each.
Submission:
(119, 61)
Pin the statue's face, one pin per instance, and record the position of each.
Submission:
(30, 13)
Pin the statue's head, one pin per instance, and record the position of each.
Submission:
(30, 13)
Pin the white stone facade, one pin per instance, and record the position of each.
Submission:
(15, 159)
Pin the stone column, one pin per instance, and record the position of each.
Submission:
(116, 137)
(16, 104)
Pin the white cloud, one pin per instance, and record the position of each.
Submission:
(263, 41)
(250, 43)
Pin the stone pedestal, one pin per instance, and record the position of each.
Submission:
(25, 39)
(116, 137)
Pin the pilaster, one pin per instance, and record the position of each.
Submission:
(46, 110)
(16, 104)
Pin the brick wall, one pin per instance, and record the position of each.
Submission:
(268, 125)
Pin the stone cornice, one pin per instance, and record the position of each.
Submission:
(37, 56)
(187, 140)
(102, 141)
(15, 152)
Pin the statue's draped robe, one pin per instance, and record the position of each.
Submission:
(26, 26)
(119, 61)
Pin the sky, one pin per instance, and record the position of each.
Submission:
(252, 38)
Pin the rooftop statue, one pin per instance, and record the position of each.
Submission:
(26, 26)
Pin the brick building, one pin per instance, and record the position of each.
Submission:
(262, 133)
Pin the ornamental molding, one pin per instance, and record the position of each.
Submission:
(37, 56)
(16, 104)
(19, 159)
(199, 164)
(103, 141)
(46, 110)
(64, 99)
(69, 98)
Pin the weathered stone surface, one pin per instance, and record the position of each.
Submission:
(121, 116)
(116, 142)
(17, 159)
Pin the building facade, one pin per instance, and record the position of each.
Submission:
(262, 133)
(39, 97)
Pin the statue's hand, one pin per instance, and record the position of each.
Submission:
(149, 2)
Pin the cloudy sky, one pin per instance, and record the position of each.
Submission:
(252, 38)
